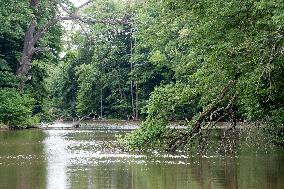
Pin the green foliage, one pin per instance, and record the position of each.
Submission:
(172, 102)
(276, 126)
(16, 109)
(208, 44)
(103, 65)
(7, 78)
(14, 21)
(150, 135)
(88, 98)
(62, 90)
(174, 59)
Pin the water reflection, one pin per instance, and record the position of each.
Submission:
(55, 148)
(22, 163)
(82, 159)
(78, 159)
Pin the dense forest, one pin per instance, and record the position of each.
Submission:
(199, 62)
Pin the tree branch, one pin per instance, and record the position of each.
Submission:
(39, 49)
(45, 28)
(84, 4)
(74, 16)
(32, 36)
(181, 140)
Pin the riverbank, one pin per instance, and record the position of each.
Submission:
(123, 124)
(132, 124)
(4, 127)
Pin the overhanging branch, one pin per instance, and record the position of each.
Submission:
(32, 35)
(183, 137)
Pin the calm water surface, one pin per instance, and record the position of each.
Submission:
(84, 159)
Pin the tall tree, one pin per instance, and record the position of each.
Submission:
(39, 25)
(226, 57)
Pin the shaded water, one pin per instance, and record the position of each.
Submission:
(84, 159)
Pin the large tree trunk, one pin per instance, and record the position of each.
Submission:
(27, 54)
(28, 49)
(33, 35)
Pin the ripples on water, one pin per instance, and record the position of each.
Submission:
(61, 157)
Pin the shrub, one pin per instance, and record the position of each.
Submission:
(16, 109)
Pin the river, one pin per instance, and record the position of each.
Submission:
(64, 158)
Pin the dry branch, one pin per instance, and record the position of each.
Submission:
(183, 137)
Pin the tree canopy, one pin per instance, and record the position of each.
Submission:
(198, 62)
